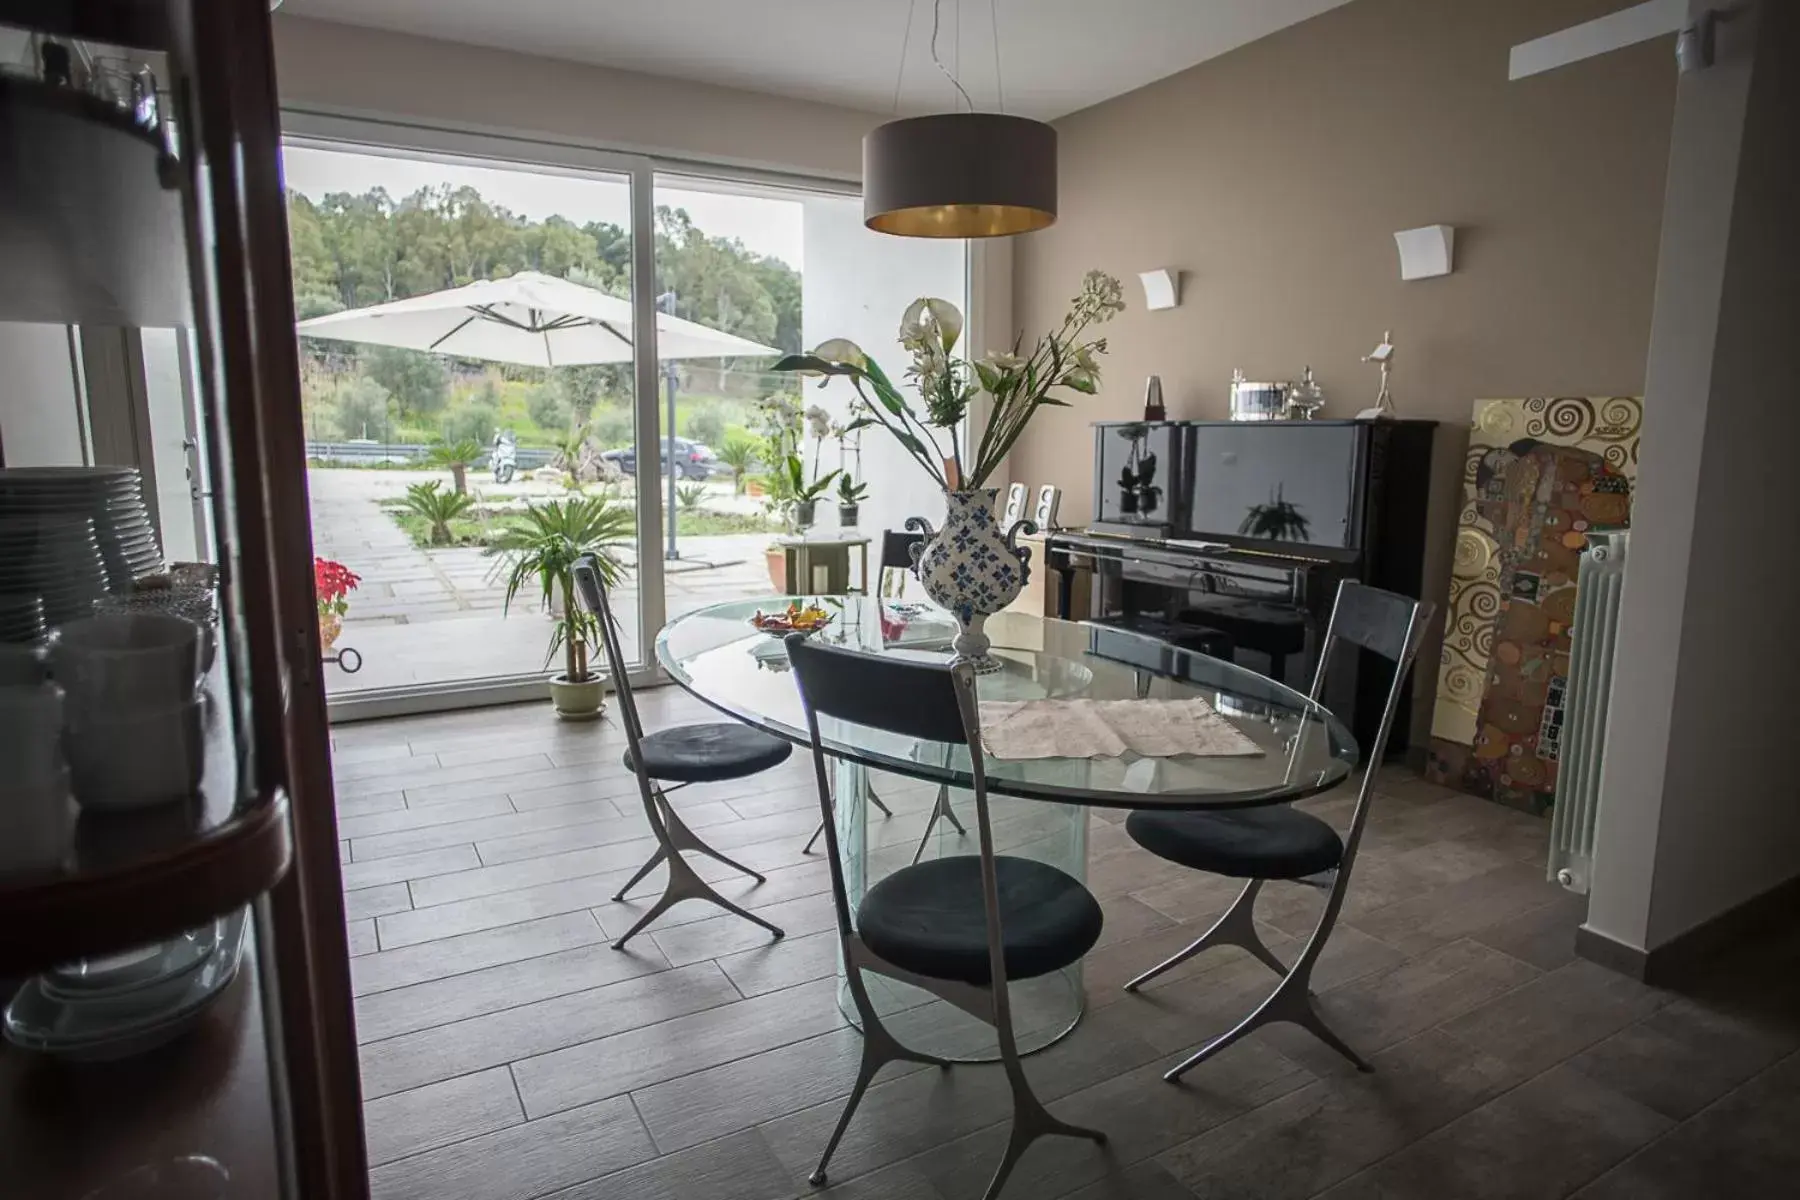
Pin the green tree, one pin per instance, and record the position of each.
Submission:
(362, 409)
(456, 457)
(706, 424)
(418, 382)
(547, 407)
(476, 421)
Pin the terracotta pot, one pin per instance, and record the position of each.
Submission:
(331, 627)
(754, 490)
(777, 569)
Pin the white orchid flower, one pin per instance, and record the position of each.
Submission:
(1002, 362)
(941, 316)
(841, 350)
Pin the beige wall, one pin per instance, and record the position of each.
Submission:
(341, 70)
(1276, 175)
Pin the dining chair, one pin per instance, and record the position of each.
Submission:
(896, 555)
(1284, 843)
(960, 928)
(671, 759)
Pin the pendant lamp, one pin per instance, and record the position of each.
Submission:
(959, 174)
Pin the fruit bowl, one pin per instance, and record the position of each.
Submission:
(795, 618)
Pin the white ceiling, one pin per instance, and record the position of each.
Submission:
(1057, 56)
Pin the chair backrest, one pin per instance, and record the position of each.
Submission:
(590, 587)
(934, 701)
(896, 548)
(896, 555)
(1392, 626)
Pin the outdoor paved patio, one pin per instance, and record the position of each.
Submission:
(436, 616)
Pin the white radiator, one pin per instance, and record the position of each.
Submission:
(1596, 629)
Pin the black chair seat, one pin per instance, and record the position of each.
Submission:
(703, 753)
(930, 919)
(1277, 842)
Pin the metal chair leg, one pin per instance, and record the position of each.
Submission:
(1031, 1120)
(876, 801)
(683, 838)
(1237, 927)
(684, 884)
(655, 861)
(939, 809)
(1291, 1001)
(814, 839)
(879, 1049)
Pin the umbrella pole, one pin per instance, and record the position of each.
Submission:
(672, 553)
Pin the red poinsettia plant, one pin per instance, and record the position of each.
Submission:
(332, 583)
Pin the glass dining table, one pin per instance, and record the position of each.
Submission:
(1038, 807)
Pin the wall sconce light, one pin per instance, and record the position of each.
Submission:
(1162, 287)
(1427, 251)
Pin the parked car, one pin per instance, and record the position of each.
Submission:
(692, 460)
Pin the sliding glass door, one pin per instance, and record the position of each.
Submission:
(773, 270)
(445, 440)
(582, 342)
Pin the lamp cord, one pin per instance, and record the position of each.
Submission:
(994, 29)
(905, 43)
(937, 12)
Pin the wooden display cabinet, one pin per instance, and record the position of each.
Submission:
(110, 222)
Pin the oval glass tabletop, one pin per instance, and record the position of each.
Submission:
(717, 655)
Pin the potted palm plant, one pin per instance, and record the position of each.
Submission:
(850, 497)
(542, 547)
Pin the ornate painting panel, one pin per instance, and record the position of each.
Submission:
(1541, 474)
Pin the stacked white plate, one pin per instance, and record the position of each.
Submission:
(112, 497)
(21, 617)
(55, 558)
(102, 1009)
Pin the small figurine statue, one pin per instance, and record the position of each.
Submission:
(1305, 401)
(1383, 356)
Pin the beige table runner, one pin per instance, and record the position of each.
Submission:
(1108, 729)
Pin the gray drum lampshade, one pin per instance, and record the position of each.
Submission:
(959, 175)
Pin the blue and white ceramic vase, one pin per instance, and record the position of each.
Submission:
(971, 568)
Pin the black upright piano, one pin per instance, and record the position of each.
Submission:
(1230, 537)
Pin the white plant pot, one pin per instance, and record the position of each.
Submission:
(972, 568)
(584, 701)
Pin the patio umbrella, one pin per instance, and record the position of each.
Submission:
(535, 320)
(532, 319)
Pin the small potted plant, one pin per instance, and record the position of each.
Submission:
(543, 546)
(850, 498)
(806, 495)
(332, 584)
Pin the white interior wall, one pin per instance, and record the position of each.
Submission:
(858, 284)
(40, 421)
(1698, 810)
(167, 400)
(330, 68)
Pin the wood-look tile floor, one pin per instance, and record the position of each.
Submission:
(509, 1053)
